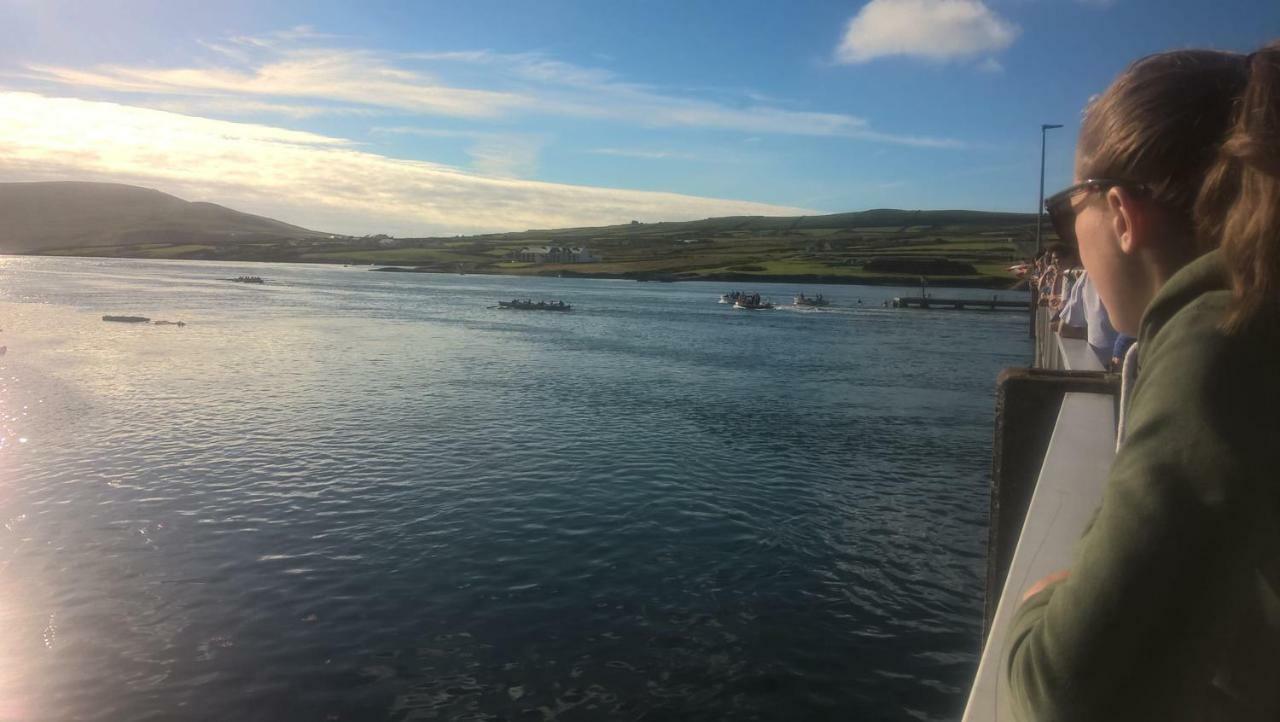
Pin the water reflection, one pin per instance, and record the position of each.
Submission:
(358, 495)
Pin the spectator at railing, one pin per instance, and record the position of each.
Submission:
(1118, 350)
(1084, 316)
(1057, 258)
(1171, 609)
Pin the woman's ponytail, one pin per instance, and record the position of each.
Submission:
(1238, 207)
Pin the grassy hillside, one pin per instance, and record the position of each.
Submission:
(878, 246)
(949, 247)
(44, 216)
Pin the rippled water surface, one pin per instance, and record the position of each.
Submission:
(351, 495)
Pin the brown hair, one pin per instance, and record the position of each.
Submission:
(1200, 129)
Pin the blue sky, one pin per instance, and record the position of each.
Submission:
(460, 117)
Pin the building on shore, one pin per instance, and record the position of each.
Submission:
(554, 254)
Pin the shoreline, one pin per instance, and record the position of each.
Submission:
(979, 281)
(985, 282)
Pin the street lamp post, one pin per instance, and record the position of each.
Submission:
(1040, 206)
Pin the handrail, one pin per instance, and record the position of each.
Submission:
(1066, 496)
(1067, 493)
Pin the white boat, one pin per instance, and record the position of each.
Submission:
(748, 304)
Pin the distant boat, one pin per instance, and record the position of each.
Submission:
(127, 319)
(810, 301)
(247, 279)
(752, 303)
(528, 305)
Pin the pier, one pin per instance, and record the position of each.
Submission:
(960, 304)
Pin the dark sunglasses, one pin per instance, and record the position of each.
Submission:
(1062, 209)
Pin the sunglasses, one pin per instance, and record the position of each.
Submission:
(1062, 208)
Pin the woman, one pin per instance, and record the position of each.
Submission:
(1171, 609)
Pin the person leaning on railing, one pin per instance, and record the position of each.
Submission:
(1171, 609)
(1051, 278)
(1084, 317)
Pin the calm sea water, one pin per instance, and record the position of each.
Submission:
(351, 495)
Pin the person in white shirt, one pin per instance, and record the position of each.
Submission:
(1084, 316)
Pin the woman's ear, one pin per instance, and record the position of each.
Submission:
(1129, 219)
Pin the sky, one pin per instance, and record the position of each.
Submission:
(438, 117)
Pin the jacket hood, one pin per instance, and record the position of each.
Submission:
(1205, 274)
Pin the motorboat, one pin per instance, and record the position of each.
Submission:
(810, 301)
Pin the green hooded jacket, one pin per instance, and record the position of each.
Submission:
(1171, 610)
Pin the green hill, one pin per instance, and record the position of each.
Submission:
(43, 216)
(949, 247)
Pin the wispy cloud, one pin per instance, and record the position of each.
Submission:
(306, 178)
(643, 153)
(567, 89)
(346, 76)
(991, 65)
(508, 155)
(933, 29)
(241, 107)
(296, 71)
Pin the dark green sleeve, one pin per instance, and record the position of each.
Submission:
(1122, 637)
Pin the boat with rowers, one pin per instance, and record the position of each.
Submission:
(810, 301)
(733, 297)
(752, 302)
(529, 305)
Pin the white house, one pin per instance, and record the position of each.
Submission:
(555, 254)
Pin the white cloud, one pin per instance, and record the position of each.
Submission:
(642, 153)
(508, 155)
(309, 179)
(991, 65)
(932, 29)
(239, 107)
(347, 76)
(570, 90)
(282, 70)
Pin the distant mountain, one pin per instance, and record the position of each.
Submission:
(41, 216)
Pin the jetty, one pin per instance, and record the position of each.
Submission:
(960, 304)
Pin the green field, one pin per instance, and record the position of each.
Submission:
(885, 246)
